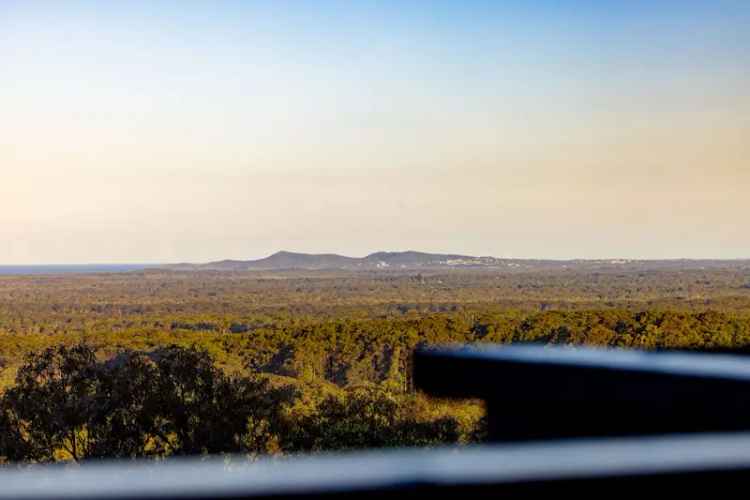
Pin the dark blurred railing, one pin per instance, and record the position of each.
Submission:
(562, 421)
(536, 392)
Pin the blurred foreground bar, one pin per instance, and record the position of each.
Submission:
(684, 465)
(540, 393)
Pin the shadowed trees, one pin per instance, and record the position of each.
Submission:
(198, 409)
(69, 405)
(66, 404)
(54, 403)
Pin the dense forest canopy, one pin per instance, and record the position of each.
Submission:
(284, 362)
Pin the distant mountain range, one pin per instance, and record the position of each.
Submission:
(378, 260)
(420, 260)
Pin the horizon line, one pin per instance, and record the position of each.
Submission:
(200, 261)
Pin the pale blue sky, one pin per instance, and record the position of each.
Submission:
(172, 131)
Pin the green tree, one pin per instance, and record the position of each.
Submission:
(67, 405)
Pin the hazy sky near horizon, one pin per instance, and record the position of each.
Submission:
(162, 131)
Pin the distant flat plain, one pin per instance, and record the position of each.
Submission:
(71, 269)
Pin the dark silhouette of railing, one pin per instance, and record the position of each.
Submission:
(561, 421)
(536, 392)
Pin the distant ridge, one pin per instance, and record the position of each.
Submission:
(410, 259)
(292, 260)
(284, 260)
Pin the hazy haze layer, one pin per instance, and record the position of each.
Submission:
(179, 131)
